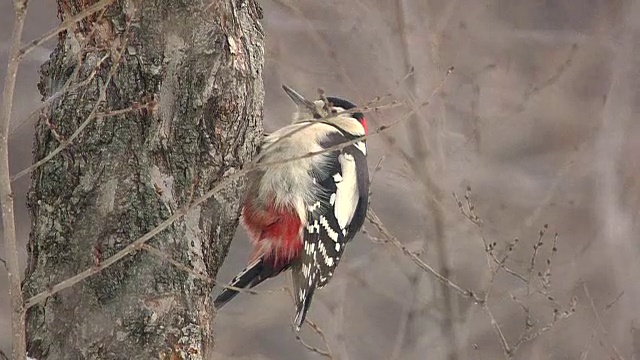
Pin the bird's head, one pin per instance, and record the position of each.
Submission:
(318, 109)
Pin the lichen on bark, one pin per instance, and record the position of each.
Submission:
(200, 66)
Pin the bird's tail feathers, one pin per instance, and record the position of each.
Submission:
(303, 288)
(249, 276)
(302, 308)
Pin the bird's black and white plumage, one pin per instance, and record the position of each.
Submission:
(301, 214)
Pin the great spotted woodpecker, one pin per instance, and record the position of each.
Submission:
(301, 214)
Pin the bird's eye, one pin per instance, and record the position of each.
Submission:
(334, 111)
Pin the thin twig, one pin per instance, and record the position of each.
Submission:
(528, 321)
(594, 330)
(66, 88)
(599, 323)
(6, 193)
(67, 85)
(502, 262)
(375, 220)
(86, 122)
(528, 334)
(375, 172)
(136, 107)
(326, 353)
(133, 247)
(339, 146)
(613, 302)
(309, 347)
(467, 209)
(470, 215)
(65, 25)
(419, 161)
(551, 80)
(534, 255)
(488, 247)
(370, 106)
(498, 330)
(545, 277)
(557, 316)
(162, 256)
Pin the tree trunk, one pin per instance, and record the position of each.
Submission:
(187, 76)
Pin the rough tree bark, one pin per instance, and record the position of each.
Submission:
(191, 74)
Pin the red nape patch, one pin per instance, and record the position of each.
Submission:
(363, 121)
(275, 234)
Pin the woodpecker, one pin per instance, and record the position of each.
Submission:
(301, 214)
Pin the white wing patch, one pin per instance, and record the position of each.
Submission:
(313, 228)
(315, 206)
(330, 232)
(347, 192)
(360, 145)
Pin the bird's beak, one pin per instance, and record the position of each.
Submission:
(300, 100)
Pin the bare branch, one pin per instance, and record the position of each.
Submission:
(313, 348)
(65, 25)
(498, 330)
(545, 277)
(534, 255)
(370, 106)
(134, 246)
(467, 209)
(87, 121)
(162, 256)
(528, 321)
(375, 172)
(502, 262)
(469, 213)
(557, 316)
(149, 105)
(19, 351)
(326, 353)
(315, 328)
(594, 330)
(67, 87)
(165, 257)
(551, 80)
(599, 323)
(375, 220)
(614, 301)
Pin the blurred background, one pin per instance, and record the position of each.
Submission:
(539, 119)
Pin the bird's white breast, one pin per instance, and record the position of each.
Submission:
(289, 181)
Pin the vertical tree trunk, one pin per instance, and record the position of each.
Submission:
(190, 75)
